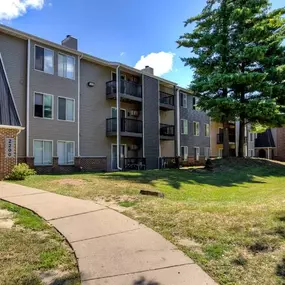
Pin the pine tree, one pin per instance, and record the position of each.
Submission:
(239, 62)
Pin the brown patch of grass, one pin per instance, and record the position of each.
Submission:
(70, 181)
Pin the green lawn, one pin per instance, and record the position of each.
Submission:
(31, 250)
(230, 221)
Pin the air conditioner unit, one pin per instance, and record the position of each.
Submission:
(134, 147)
(134, 113)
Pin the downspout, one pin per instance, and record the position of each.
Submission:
(28, 100)
(78, 105)
(178, 121)
(118, 116)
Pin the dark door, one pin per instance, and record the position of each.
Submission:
(262, 153)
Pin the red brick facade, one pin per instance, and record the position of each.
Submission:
(7, 163)
(192, 162)
(280, 150)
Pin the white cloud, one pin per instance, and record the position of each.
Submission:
(161, 62)
(122, 53)
(11, 9)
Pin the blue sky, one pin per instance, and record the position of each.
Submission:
(117, 30)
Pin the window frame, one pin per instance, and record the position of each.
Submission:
(74, 109)
(52, 106)
(205, 128)
(63, 141)
(184, 147)
(43, 140)
(184, 98)
(183, 124)
(198, 123)
(53, 59)
(66, 55)
(195, 157)
(208, 150)
(219, 152)
(195, 107)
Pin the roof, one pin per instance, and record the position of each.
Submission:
(26, 36)
(8, 111)
(265, 140)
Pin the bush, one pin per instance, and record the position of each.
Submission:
(20, 172)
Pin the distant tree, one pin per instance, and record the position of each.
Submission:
(239, 62)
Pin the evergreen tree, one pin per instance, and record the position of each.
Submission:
(239, 62)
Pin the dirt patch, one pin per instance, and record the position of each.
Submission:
(188, 243)
(6, 221)
(70, 181)
(56, 277)
(5, 214)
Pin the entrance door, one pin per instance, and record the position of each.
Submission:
(114, 122)
(123, 153)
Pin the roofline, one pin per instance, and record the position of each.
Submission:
(26, 36)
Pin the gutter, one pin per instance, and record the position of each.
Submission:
(28, 99)
(118, 117)
(78, 104)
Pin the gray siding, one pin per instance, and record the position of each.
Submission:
(57, 86)
(198, 116)
(14, 54)
(151, 122)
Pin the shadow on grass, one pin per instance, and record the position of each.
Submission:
(226, 173)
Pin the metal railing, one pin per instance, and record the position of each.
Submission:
(220, 138)
(127, 87)
(134, 163)
(167, 130)
(127, 125)
(166, 98)
(169, 162)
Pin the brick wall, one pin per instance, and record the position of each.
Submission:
(280, 150)
(192, 162)
(7, 164)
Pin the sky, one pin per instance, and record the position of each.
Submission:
(134, 32)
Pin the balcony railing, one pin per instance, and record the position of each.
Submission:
(220, 138)
(169, 162)
(166, 99)
(167, 130)
(127, 87)
(127, 125)
(134, 163)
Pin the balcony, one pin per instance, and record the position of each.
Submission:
(129, 91)
(166, 101)
(129, 127)
(167, 132)
(134, 163)
(220, 138)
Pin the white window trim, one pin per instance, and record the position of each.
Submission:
(220, 152)
(43, 140)
(114, 144)
(73, 150)
(205, 130)
(185, 148)
(194, 128)
(64, 54)
(197, 147)
(184, 133)
(184, 98)
(34, 103)
(53, 59)
(67, 98)
(195, 106)
(208, 150)
(113, 72)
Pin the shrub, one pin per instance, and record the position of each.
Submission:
(20, 172)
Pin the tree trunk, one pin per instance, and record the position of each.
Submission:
(226, 143)
(241, 138)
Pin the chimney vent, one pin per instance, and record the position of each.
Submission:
(70, 42)
(148, 70)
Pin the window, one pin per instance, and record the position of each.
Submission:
(44, 60)
(66, 109)
(66, 66)
(183, 100)
(196, 128)
(251, 135)
(42, 152)
(221, 152)
(197, 153)
(195, 103)
(65, 152)
(207, 130)
(251, 153)
(184, 127)
(184, 152)
(43, 106)
(207, 152)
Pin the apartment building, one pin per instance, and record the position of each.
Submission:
(76, 111)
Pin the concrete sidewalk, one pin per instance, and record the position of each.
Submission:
(111, 248)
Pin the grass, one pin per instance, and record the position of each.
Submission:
(231, 220)
(30, 248)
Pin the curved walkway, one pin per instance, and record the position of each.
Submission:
(111, 248)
